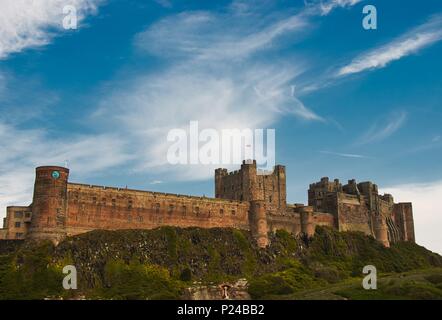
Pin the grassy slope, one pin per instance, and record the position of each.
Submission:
(158, 264)
(417, 284)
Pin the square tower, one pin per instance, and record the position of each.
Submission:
(250, 184)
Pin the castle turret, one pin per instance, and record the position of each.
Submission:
(258, 222)
(351, 187)
(220, 173)
(307, 224)
(381, 230)
(49, 204)
(249, 181)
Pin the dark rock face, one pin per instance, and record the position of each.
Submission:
(211, 254)
(10, 246)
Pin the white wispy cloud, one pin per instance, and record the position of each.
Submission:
(29, 24)
(345, 155)
(210, 36)
(232, 34)
(382, 130)
(144, 110)
(164, 3)
(327, 6)
(210, 76)
(404, 45)
(433, 143)
(407, 44)
(427, 210)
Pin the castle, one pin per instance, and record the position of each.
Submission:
(245, 199)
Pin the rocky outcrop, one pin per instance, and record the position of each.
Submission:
(224, 291)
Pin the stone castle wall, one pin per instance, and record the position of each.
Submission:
(353, 214)
(290, 222)
(97, 207)
(245, 199)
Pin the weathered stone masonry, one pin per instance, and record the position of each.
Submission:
(245, 199)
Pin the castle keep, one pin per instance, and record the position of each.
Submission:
(244, 199)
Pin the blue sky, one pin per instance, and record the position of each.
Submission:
(366, 103)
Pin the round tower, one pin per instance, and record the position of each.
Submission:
(381, 230)
(258, 223)
(49, 204)
(307, 224)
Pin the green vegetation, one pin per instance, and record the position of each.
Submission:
(338, 258)
(161, 263)
(349, 252)
(296, 277)
(135, 281)
(395, 286)
(29, 274)
(412, 285)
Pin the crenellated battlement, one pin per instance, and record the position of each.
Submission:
(249, 184)
(127, 191)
